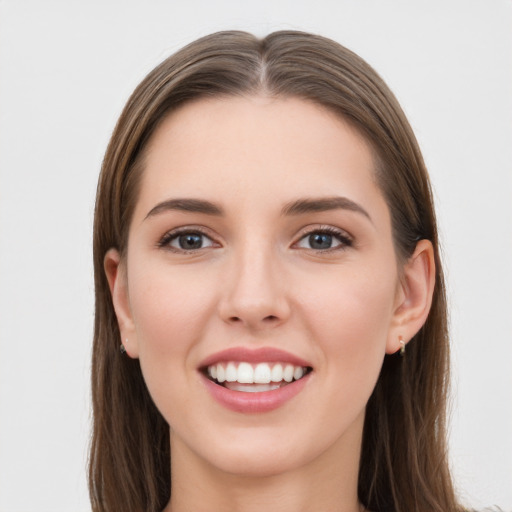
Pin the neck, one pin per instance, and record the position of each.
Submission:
(327, 483)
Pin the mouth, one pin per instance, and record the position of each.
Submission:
(259, 377)
(252, 381)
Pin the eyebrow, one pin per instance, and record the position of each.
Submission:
(187, 205)
(323, 204)
(297, 207)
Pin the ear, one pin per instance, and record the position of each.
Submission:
(115, 270)
(414, 296)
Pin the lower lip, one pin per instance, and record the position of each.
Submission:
(265, 401)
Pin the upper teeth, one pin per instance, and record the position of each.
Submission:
(261, 373)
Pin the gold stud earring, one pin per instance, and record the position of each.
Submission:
(402, 346)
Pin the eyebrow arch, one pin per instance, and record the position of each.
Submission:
(323, 204)
(186, 205)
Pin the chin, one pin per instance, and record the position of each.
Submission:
(259, 463)
(268, 451)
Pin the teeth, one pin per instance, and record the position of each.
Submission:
(266, 375)
(245, 374)
(231, 373)
(252, 388)
(262, 374)
(288, 373)
(277, 373)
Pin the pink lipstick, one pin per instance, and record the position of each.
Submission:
(254, 380)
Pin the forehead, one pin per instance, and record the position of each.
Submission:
(240, 147)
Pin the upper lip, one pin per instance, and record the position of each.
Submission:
(258, 355)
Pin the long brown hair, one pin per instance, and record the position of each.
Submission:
(403, 463)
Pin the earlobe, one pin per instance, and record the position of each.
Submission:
(115, 271)
(415, 296)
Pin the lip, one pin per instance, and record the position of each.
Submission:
(264, 401)
(259, 355)
(260, 402)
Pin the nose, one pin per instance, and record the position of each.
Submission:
(255, 292)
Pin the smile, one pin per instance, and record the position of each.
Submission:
(253, 378)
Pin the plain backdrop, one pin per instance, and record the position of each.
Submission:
(66, 69)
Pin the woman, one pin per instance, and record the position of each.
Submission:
(270, 308)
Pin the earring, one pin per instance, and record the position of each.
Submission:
(402, 346)
(122, 349)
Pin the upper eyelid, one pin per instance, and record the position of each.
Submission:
(189, 229)
(326, 228)
(346, 239)
(175, 232)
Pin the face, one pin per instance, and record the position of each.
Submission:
(260, 289)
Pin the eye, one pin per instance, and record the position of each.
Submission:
(324, 239)
(186, 241)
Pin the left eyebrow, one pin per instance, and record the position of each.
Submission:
(323, 204)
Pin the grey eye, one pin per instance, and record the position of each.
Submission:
(190, 241)
(320, 241)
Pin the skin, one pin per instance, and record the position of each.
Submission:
(257, 282)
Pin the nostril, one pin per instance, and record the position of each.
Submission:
(267, 319)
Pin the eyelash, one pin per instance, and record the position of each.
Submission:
(166, 240)
(341, 236)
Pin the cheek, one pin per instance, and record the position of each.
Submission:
(350, 324)
(169, 310)
(350, 312)
(171, 314)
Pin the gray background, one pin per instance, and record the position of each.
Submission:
(66, 69)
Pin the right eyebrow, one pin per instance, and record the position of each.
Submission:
(186, 205)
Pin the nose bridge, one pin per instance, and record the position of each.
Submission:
(255, 295)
